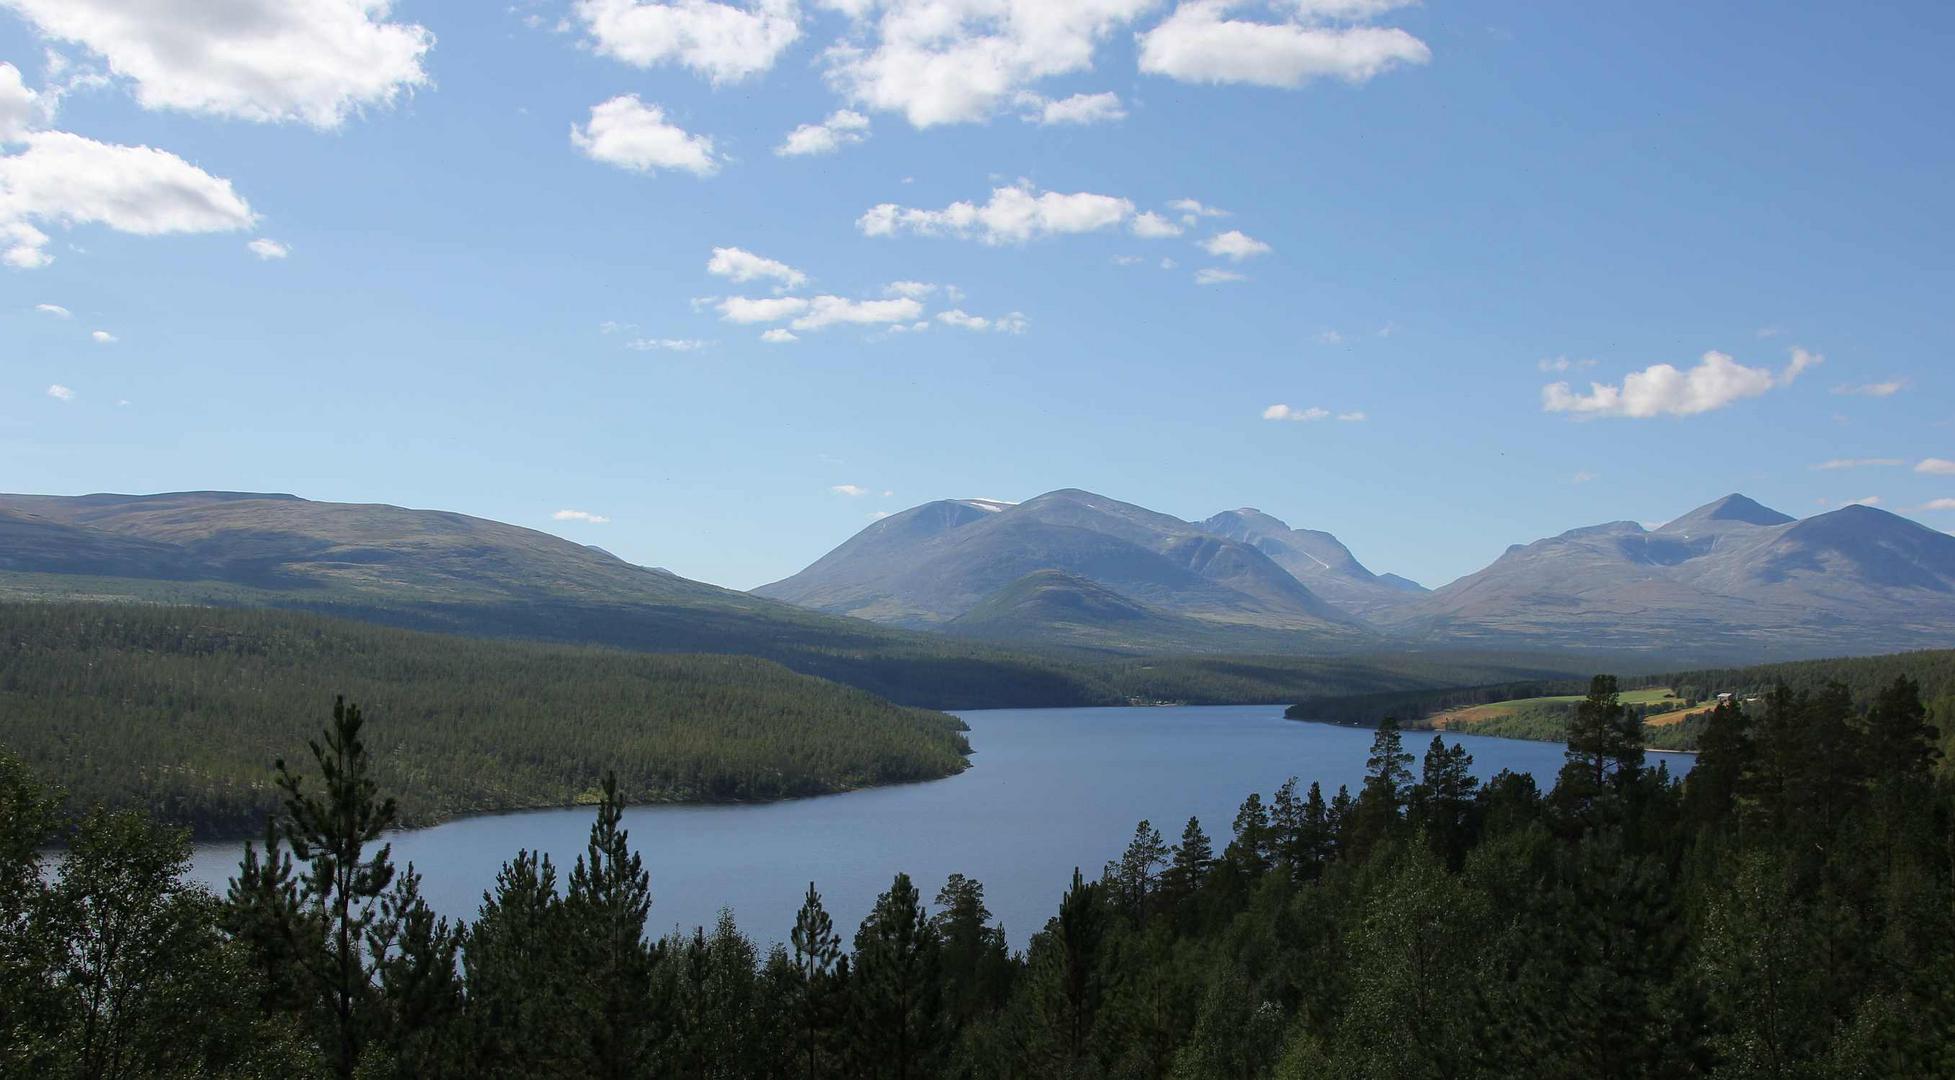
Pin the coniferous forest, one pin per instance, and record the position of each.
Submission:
(1784, 911)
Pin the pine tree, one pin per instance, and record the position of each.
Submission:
(1188, 869)
(521, 973)
(1136, 873)
(342, 884)
(1604, 755)
(1387, 776)
(610, 897)
(1249, 853)
(817, 951)
(900, 1026)
(1442, 803)
(1724, 752)
(415, 952)
(975, 962)
(1066, 970)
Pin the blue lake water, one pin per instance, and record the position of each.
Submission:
(1048, 790)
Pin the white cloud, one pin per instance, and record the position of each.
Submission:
(1149, 225)
(313, 61)
(1191, 210)
(1331, 337)
(878, 515)
(845, 127)
(742, 309)
(1858, 463)
(1210, 275)
(584, 516)
(19, 106)
(956, 61)
(1078, 109)
(1235, 246)
(1014, 323)
(915, 290)
(55, 310)
(737, 264)
(1562, 363)
(266, 248)
(67, 179)
(1935, 466)
(853, 491)
(103, 337)
(1012, 215)
(1286, 412)
(779, 336)
(628, 133)
(1128, 260)
(1585, 476)
(724, 42)
(1199, 43)
(1353, 417)
(829, 310)
(61, 393)
(1663, 390)
(1875, 389)
(1939, 504)
(667, 344)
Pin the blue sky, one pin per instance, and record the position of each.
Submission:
(490, 224)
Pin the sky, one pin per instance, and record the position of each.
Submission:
(713, 285)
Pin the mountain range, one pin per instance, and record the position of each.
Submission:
(1729, 580)
(1732, 578)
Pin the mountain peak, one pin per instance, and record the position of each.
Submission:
(1731, 509)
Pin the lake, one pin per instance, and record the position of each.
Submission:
(1048, 790)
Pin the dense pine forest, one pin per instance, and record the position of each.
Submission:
(176, 710)
(1785, 911)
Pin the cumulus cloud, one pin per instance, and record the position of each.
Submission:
(1012, 215)
(1858, 463)
(631, 134)
(1873, 389)
(956, 61)
(1099, 108)
(1200, 43)
(1149, 225)
(66, 179)
(853, 491)
(103, 337)
(824, 311)
(743, 309)
(1663, 390)
(667, 344)
(1235, 245)
(737, 264)
(1213, 275)
(311, 61)
(266, 248)
(19, 106)
(779, 336)
(723, 42)
(1287, 412)
(844, 127)
(55, 310)
(584, 516)
(1935, 466)
(61, 393)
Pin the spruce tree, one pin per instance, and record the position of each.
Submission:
(1387, 776)
(975, 962)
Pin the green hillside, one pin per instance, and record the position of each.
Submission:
(177, 710)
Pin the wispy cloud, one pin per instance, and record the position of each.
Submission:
(61, 393)
(853, 491)
(1292, 413)
(103, 337)
(1873, 389)
(584, 516)
(1212, 275)
(1935, 466)
(266, 248)
(1859, 463)
(667, 344)
(55, 310)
